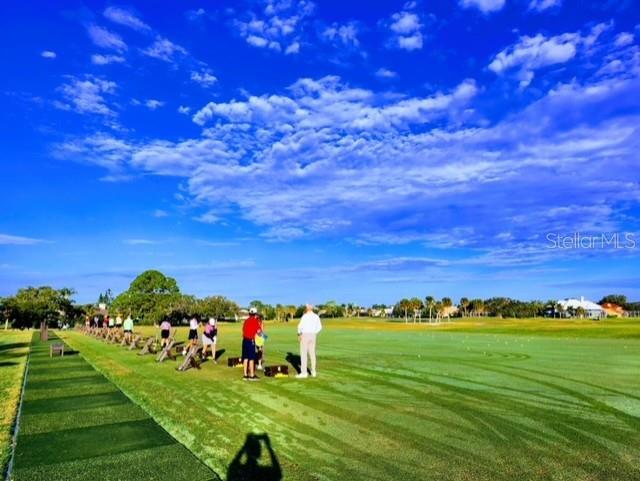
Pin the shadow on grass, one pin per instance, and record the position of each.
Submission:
(296, 362)
(219, 353)
(250, 464)
(13, 345)
(8, 363)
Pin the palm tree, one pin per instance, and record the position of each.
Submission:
(438, 307)
(280, 312)
(416, 307)
(464, 305)
(477, 307)
(291, 312)
(405, 305)
(430, 303)
(446, 304)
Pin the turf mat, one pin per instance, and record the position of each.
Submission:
(81, 427)
(72, 403)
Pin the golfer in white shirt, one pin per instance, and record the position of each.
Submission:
(308, 330)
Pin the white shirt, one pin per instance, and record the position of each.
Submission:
(309, 324)
(193, 323)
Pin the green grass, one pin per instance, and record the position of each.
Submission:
(14, 347)
(77, 425)
(525, 400)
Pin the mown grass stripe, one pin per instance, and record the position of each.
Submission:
(73, 425)
(72, 403)
(87, 380)
(167, 463)
(89, 442)
(47, 422)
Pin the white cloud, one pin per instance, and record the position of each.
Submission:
(385, 73)
(184, 110)
(194, 15)
(153, 104)
(623, 39)
(279, 26)
(257, 41)
(595, 33)
(48, 54)
(140, 242)
(204, 77)
(86, 95)
(292, 49)
(126, 18)
(541, 5)
(159, 213)
(485, 6)
(406, 28)
(6, 239)
(105, 39)
(164, 49)
(208, 218)
(345, 35)
(99, 59)
(533, 53)
(325, 102)
(529, 54)
(378, 164)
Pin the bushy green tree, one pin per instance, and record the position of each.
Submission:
(150, 298)
(32, 305)
(219, 307)
(618, 299)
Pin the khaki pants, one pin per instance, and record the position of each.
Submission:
(307, 347)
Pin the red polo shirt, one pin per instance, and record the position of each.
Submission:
(251, 327)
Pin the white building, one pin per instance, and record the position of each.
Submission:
(592, 310)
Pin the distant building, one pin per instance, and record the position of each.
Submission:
(613, 310)
(571, 305)
(449, 311)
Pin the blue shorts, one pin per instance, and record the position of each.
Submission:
(249, 349)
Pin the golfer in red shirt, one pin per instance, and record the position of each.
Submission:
(250, 328)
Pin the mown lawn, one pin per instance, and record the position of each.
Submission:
(14, 347)
(453, 402)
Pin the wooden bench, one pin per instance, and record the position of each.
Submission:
(57, 349)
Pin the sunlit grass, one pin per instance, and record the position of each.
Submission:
(13, 357)
(479, 399)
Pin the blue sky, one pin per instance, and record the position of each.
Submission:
(298, 151)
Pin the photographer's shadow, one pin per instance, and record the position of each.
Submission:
(246, 465)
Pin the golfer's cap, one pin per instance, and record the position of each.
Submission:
(253, 310)
(212, 321)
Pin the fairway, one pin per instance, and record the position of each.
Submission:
(409, 402)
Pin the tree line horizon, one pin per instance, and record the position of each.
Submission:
(153, 297)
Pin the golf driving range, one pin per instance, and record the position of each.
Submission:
(501, 400)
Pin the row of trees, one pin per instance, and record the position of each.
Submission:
(150, 298)
(32, 305)
(153, 297)
(432, 309)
